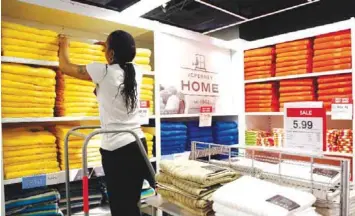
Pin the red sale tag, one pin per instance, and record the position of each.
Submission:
(144, 104)
(206, 109)
(144, 112)
(342, 109)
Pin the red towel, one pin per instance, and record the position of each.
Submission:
(259, 52)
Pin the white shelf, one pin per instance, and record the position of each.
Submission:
(150, 73)
(29, 61)
(308, 75)
(270, 113)
(193, 115)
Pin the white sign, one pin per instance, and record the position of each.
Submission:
(205, 116)
(342, 109)
(144, 112)
(305, 127)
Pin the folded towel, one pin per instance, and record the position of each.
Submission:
(26, 70)
(25, 86)
(50, 164)
(36, 151)
(168, 126)
(88, 57)
(173, 133)
(29, 158)
(12, 175)
(11, 33)
(40, 81)
(29, 44)
(147, 86)
(225, 125)
(77, 44)
(143, 52)
(29, 55)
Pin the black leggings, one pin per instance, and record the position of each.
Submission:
(125, 170)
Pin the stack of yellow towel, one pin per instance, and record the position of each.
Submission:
(75, 97)
(27, 91)
(147, 92)
(84, 53)
(149, 133)
(75, 148)
(28, 151)
(26, 42)
(142, 59)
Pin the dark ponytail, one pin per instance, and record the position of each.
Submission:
(124, 48)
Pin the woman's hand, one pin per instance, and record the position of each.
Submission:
(63, 41)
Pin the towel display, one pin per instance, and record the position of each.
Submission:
(197, 134)
(252, 196)
(27, 42)
(296, 90)
(28, 151)
(32, 202)
(332, 51)
(75, 148)
(173, 137)
(301, 49)
(150, 142)
(225, 132)
(340, 140)
(142, 59)
(261, 97)
(190, 184)
(147, 92)
(259, 63)
(38, 91)
(83, 53)
(75, 97)
(334, 86)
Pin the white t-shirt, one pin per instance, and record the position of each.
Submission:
(112, 108)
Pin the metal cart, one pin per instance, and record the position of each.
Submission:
(85, 178)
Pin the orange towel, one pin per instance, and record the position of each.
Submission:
(299, 93)
(257, 77)
(331, 51)
(260, 92)
(259, 52)
(331, 97)
(334, 78)
(346, 90)
(294, 63)
(295, 72)
(297, 82)
(297, 98)
(260, 101)
(258, 63)
(335, 85)
(332, 67)
(258, 58)
(292, 58)
(331, 56)
(260, 68)
(285, 89)
(330, 38)
(293, 48)
(332, 44)
(267, 105)
(258, 73)
(294, 68)
(295, 53)
(259, 86)
(332, 62)
(260, 97)
(270, 109)
(293, 43)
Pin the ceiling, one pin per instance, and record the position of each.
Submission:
(254, 19)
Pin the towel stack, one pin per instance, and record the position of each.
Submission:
(147, 92)
(27, 91)
(37, 202)
(190, 184)
(75, 97)
(225, 132)
(84, 53)
(296, 90)
(258, 138)
(251, 196)
(259, 63)
(334, 86)
(340, 140)
(142, 59)
(149, 137)
(28, 151)
(75, 148)
(261, 98)
(198, 134)
(173, 137)
(332, 51)
(26, 42)
(294, 57)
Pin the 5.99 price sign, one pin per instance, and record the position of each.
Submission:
(305, 129)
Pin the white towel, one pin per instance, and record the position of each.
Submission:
(256, 197)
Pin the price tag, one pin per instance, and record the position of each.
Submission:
(205, 116)
(305, 127)
(342, 109)
(34, 181)
(144, 112)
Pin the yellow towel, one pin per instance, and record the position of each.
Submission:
(89, 159)
(73, 87)
(77, 99)
(29, 50)
(148, 81)
(29, 44)
(150, 130)
(143, 52)
(80, 109)
(79, 165)
(24, 130)
(26, 70)
(146, 92)
(94, 143)
(9, 110)
(68, 93)
(145, 97)
(25, 105)
(26, 115)
(71, 80)
(141, 60)
(26, 86)
(27, 158)
(21, 99)
(148, 136)
(19, 148)
(40, 81)
(10, 33)
(78, 114)
(32, 165)
(87, 57)
(76, 44)
(147, 68)
(147, 86)
(29, 93)
(36, 151)
(78, 156)
(86, 51)
(12, 175)
(79, 104)
(150, 143)
(29, 56)
(64, 129)
(23, 28)
(10, 140)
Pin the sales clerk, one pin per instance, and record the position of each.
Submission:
(117, 86)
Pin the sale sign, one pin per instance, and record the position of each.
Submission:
(342, 109)
(205, 116)
(305, 126)
(144, 112)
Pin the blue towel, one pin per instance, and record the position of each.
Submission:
(224, 125)
(228, 132)
(174, 138)
(225, 139)
(201, 139)
(172, 133)
(32, 199)
(200, 134)
(174, 143)
(168, 126)
(193, 129)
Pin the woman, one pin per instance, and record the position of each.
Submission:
(117, 86)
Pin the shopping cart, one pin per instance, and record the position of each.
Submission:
(85, 178)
